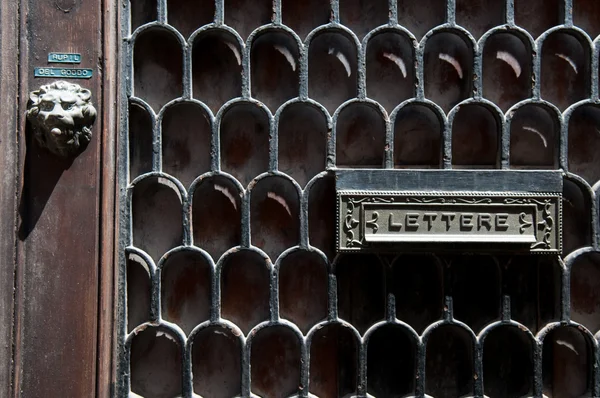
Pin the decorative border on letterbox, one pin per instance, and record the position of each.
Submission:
(549, 239)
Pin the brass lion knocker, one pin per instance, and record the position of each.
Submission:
(62, 115)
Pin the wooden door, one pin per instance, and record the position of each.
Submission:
(57, 213)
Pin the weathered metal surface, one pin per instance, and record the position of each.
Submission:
(61, 116)
(480, 181)
(64, 58)
(441, 221)
(64, 73)
(480, 211)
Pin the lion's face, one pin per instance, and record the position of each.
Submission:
(62, 116)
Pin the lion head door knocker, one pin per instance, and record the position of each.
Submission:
(62, 116)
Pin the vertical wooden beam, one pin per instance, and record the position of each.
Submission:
(59, 224)
(108, 257)
(9, 89)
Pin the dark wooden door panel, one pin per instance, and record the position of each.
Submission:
(9, 83)
(59, 217)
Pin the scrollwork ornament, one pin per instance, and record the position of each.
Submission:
(547, 224)
(61, 115)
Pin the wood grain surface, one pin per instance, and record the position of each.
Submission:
(65, 218)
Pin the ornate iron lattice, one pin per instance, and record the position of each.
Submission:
(235, 115)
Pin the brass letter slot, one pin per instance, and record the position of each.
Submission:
(483, 221)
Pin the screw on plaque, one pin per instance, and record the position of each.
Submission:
(61, 115)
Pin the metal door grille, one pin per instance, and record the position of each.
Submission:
(231, 127)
